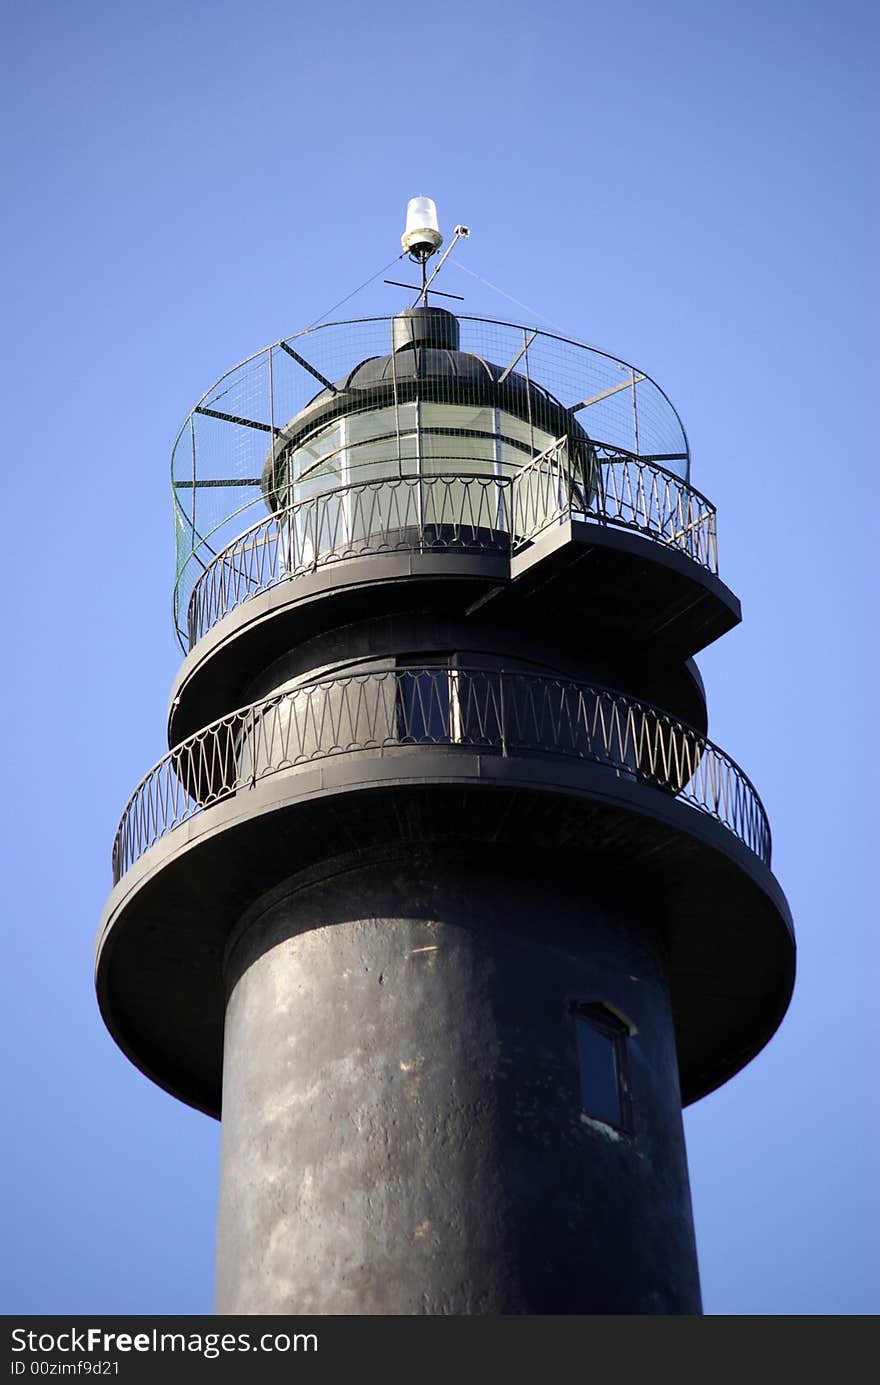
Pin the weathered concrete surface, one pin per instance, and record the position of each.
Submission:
(402, 1125)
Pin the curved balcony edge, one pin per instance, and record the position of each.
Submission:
(464, 512)
(493, 712)
(161, 943)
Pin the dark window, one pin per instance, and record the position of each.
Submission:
(601, 1045)
(427, 705)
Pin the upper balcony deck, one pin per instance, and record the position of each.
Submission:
(456, 511)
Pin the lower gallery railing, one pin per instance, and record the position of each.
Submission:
(491, 712)
(454, 510)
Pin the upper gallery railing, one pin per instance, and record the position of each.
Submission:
(222, 447)
(497, 713)
(455, 510)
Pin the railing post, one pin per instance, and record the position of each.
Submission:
(502, 711)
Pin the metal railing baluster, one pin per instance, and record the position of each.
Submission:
(499, 712)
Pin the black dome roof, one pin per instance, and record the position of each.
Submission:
(428, 366)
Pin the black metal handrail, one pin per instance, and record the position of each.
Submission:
(500, 713)
(455, 510)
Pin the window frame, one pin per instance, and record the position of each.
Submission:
(613, 1025)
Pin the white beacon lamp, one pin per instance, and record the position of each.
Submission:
(421, 236)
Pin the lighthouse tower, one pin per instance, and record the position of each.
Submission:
(442, 896)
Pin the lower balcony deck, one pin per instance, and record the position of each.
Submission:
(520, 767)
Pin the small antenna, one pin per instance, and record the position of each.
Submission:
(421, 239)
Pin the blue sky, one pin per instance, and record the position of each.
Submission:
(690, 186)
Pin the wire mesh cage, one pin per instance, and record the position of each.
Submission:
(346, 417)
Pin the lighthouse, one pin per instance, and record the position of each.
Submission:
(442, 898)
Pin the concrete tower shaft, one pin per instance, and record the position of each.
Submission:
(423, 1118)
(442, 893)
